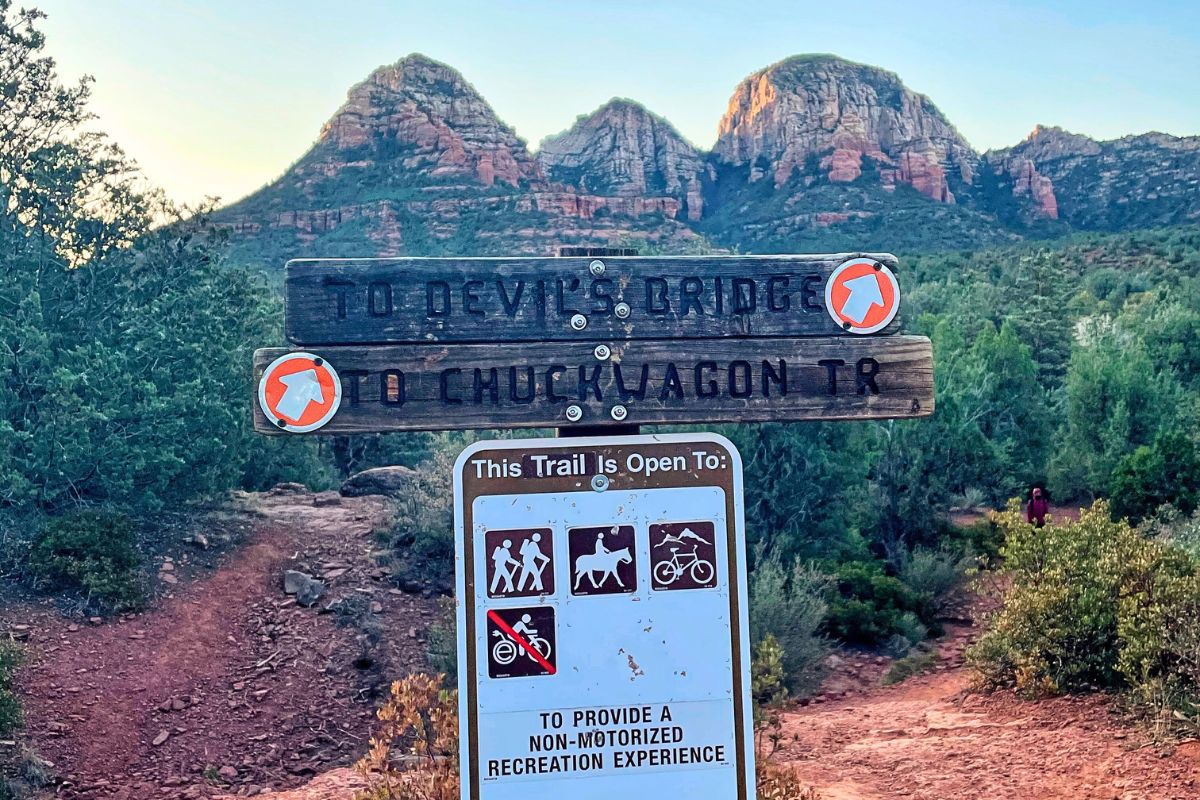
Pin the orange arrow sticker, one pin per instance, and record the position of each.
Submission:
(862, 296)
(299, 392)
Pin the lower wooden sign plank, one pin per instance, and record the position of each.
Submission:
(545, 384)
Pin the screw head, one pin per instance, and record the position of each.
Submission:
(596, 268)
(621, 310)
(578, 322)
(574, 413)
(619, 413)
(599, 482)
(602, 352)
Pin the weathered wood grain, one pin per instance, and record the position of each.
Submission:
(411, 300)
(474, 386)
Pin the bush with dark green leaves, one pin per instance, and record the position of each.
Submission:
(1164, 472)
(870, 607)
(125, 338)
(788, 605)
(1094, 604)
(93, 554)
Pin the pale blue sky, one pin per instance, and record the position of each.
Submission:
(218, 97)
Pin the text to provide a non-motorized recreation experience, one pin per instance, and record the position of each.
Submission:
(603, 643)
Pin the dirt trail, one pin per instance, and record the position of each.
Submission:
(227, 684)
(931, 738)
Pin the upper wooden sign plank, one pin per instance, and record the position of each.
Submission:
(425, 300)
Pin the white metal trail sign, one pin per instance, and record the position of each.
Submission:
(603, 642)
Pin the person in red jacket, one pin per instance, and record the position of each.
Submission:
(1038, 507)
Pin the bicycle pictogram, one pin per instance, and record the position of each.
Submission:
(684, 555)
(667, 572)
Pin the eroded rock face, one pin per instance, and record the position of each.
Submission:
(622, 149)
(825, 114)
(1128, 182)
(426, 115)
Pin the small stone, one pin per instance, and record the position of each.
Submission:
(227, 772)
(167, 566)
(162, 737)
(167, 577)
(376, 607)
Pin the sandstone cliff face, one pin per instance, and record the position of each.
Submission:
(1129, 182)
(828, 113)
(425, 116)
(417, 163)
(622, 149)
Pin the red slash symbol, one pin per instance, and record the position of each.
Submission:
(522, 641)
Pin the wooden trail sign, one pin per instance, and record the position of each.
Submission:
(560, 384)
(426, 300)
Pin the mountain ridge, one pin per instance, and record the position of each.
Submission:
(813, 152)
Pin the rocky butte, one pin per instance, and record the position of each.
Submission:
(812, 153)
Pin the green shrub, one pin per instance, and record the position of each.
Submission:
(1095, 604)
(10, 705)
(93, 553)
(870, 606)
(789, 606)
(983, 539)
(935, 574)
(768, 684)
(1167, 471)
(423, 532)
(912, 664)
(442, 645)
(1174, 528)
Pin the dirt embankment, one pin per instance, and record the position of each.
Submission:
(227, 685)
(932, 738)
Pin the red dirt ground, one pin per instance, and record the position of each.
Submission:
(269, 692)
(227, 684)
(932, 738)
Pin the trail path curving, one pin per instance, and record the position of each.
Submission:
(226, 685)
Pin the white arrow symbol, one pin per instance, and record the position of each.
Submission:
(864, 294)
(302, 388)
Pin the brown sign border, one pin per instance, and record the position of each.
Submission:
(468, 488)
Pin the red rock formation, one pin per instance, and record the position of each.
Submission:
(622, 149)
(427, 112)
(838, 112)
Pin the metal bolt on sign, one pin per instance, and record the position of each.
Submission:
(574, 413)
(596, 268)
(602, 352)
(619, 413)
(599, 483)
(578, 322)
(622, 310)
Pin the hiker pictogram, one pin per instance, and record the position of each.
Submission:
(299, 392)
(684, 555)
(603, 559)
(520, 562)
(520, 642)
(862, 296)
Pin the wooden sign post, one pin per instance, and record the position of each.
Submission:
(599, 342)
(601, 581)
